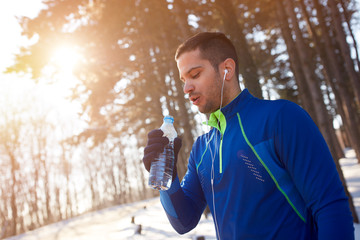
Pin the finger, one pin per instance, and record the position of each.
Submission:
(155, 147)
(155, 133)
(148, 159)
(160, 140)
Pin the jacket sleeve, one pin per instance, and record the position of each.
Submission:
(305, 154)
(184, 203)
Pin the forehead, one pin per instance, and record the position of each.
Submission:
(189, 60)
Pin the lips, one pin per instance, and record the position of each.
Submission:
(195, 99)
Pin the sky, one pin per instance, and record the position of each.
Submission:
(20, 89)
(10, 29)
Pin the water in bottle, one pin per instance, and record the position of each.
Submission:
(161, 169)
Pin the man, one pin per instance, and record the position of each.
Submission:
(264, 168)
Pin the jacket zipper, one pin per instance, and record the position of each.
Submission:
(220, 153)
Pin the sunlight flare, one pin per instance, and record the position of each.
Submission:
(65, 58)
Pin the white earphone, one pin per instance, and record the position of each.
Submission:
(225, 72)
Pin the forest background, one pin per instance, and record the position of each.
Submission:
(113, 63)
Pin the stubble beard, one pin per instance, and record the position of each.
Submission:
(213, 96)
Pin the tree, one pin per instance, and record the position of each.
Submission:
(128, 80)
(10, 143)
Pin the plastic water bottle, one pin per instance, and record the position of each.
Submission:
(161, 169)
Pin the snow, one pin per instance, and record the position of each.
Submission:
(115, 222)
(351, 170)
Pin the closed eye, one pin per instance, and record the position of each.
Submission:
(196, 75)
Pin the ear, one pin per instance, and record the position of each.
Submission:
(229, 65)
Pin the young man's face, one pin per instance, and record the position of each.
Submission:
(201, 81)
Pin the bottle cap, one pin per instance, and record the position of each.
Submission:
(168, 119)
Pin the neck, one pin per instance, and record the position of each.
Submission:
(232, 93)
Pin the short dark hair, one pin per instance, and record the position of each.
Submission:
(214, 47)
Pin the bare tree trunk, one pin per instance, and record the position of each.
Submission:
(34, 190)
(46, 190)
(294, 58)
(114, 182)
(304, 59)
(66, 166)
(314, 87)
(91, 171)
(345, 51)
(10, 141)
(181, 18)
(330, 76)
(4, 223)
(351, 32)
(247, 65)
(342, 98)
(125, 192)
(338, 152)
(59, 216)
(13, 200)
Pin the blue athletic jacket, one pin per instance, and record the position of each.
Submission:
(274, 177)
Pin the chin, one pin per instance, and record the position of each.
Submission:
(201, 109)
(205, 111)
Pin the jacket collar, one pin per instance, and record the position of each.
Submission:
(218, 118)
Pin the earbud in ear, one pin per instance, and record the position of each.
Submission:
(225, 72)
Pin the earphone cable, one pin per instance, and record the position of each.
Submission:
(213, 158)
(212, 154)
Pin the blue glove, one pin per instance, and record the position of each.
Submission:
(155, 145)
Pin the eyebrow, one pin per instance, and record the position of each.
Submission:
(181, 77)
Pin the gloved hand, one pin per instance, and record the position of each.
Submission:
(155, 145)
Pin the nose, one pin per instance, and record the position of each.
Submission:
(188, 87)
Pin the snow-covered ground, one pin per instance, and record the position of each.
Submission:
(351, 170)
(115, 222)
